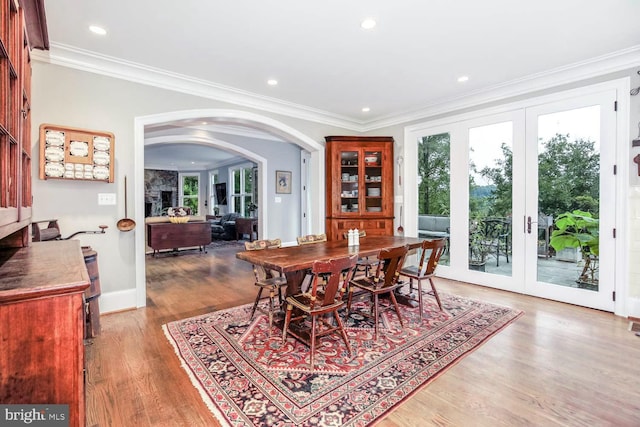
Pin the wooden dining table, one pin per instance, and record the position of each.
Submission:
(294, 261)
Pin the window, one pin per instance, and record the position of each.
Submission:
(190, 191)
(241, 199)
(213, 203)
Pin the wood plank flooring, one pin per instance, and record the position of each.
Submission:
(558, 365)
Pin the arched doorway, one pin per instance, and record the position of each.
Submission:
(230, 117)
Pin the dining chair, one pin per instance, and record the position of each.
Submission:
(266, 279)
(311, 238)
(365, 263)
(432, 250)
(307, 240)
(384, 281)
(330, 279)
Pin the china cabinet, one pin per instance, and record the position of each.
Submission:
(359, 185)
(15, 117)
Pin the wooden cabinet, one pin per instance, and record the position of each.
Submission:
(42, 326)
(15, 122)
(166, 235)
(359, 185)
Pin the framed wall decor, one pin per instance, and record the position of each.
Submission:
(73, 153)
(283, 182)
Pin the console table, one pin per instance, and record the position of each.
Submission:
(167, 235)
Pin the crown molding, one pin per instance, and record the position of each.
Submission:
(572, 73)
(84, 60)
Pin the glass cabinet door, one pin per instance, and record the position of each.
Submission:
(349, 181)
(373, 181)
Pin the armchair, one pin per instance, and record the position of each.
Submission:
(224, 227)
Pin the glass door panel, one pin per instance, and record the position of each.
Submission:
(490, 198)
(349, 181)
(434, 168)
(373, 181)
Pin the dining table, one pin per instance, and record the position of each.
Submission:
(295, 261)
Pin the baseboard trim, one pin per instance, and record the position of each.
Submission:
(118, 301)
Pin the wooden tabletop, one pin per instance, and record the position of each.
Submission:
(296, 258)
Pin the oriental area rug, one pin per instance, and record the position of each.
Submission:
(247, 378)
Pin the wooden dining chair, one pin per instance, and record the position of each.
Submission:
(308, 240)
(311, 238)
(266, 279)
(330, 279)
(365, 264)
(384, 281)
(432, 250)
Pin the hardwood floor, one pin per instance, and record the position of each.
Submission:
(558, 365)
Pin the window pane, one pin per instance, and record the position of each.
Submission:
(490, 197)
(433, 188)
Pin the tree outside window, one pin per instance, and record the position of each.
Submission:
(190, 191)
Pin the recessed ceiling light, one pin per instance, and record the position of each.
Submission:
(97, 30)
(272, 82)
(366, 109)
(463, 79)
(368, 23)
(204, 123)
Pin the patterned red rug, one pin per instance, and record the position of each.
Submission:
(247, 379)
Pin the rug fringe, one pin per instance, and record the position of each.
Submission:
(203, 394)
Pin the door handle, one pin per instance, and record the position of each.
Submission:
(529, 223)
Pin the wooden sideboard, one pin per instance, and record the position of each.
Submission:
(167, 235)
(42, 326)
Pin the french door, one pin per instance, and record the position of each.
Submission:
(571, 145)
(514, 177)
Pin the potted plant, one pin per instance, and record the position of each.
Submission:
(479, 249)
(579, 229)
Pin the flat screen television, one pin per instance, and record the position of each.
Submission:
(221, 193)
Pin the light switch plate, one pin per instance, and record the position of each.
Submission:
(106, 198)
(278, 200)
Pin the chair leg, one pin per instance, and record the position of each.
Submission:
(343, 331)
(313, 341)
(435, 293)
(395, 304)
(287, 319)
(272, 295)
(420, 297)
(255, 304)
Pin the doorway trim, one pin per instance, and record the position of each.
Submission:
(223, 116)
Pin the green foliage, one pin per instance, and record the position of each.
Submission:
(577, 229)
(569, 172)
(433, 173)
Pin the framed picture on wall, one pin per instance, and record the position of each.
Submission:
(283, 182)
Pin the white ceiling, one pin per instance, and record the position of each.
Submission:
(327, 65)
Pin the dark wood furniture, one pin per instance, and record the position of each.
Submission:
(432, 250)
(248, 226)
(330, 280)
(294, 261)
(359, 188)
(267, 280)
(15, 126)
(167, 235)
(42, 326)
(383, 282)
